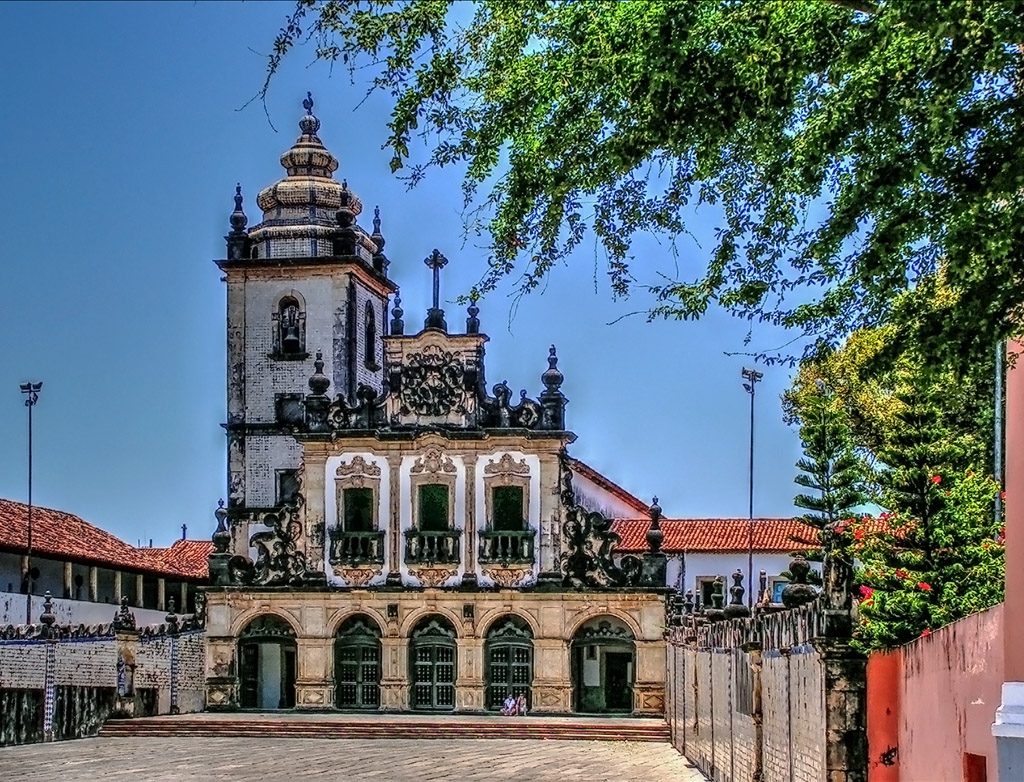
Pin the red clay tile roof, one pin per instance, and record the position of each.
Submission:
(614, 489)
(770, 535)
(187, 557)
(63, 535)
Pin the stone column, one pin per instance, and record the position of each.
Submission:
(68, 586)
(314, 683)
(1009, 722)
(552, 680)
(649, 678)
(846, 696)
(138, 591)
(393, 518)
(94, 592)
(221, 673)
(183, 604)
(161, 594)
(469, 576)
(394, 667)
(117, 587)
(469, 684)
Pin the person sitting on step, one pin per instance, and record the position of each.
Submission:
(508, 709)
(521, 704)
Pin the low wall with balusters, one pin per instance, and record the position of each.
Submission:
(60, 682)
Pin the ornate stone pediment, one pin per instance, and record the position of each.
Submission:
(433, 460)
(357, 471)
(508, 577)
(506, 465)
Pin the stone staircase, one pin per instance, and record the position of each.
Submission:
(391, 726)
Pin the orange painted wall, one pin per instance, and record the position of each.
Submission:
(938, 696)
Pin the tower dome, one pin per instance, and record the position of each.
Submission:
(300, 211)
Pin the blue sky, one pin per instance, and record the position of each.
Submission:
(124, 134)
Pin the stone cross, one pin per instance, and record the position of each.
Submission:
(435, 315)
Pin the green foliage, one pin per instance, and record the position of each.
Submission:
(854, 149)
(829, 466)
(918, 575)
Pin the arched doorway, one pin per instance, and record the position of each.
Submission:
(603, 662)
(357, 664)
(509, 661)
(433, 658)
(266, 664)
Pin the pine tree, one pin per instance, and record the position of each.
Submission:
(937, 557)
(831, 468)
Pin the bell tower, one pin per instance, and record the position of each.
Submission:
(306, 279)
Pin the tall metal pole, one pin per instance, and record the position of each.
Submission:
(31, 391)
(998, 442)
(752, 376)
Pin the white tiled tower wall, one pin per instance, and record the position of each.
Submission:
(325, 294)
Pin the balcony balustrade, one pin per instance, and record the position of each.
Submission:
(428, 547)
(507, 547)
(356, 548)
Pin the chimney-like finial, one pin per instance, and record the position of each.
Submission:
(435, 315)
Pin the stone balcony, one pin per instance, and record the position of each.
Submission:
(356, 548)
(428, 547)
(507, 547)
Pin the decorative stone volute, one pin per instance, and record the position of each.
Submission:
(798, 591)
(221, 536)
(716, 613)
(655, 536)
(737, 608)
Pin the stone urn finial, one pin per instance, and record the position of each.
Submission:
(798, 591)
(736, 608)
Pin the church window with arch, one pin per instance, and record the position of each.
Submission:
(289, 323)
(370, 338)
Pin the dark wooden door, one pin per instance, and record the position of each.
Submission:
(618, 689)
(249, 676)
(433, 686)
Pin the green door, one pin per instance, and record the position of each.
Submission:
(433, 667)
(357, 666)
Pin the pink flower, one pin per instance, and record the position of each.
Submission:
(924, 587)
(1002, 495)
(866, 592)
(936, 479)
(859, 534)
(900, 573)
(925, 632)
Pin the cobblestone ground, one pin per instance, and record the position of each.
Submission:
(392, 759)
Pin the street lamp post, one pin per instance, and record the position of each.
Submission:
(751, 376)
(31, 392)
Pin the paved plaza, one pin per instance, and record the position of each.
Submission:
(389, 759)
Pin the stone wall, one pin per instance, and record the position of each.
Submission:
(772, 698)
(64, 682)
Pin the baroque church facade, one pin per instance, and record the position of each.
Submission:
(398, 535)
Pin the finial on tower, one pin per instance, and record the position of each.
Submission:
(238, 219)
(309, 124)
(397, 324)
(473, 322)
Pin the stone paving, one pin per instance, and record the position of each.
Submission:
(393, 759)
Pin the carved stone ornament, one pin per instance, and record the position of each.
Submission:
(508, 577)
(499, 412)
(357, 471)
(588, 542)
(279, 560)
(368, 411)
(506, 465)
(433, 461)
(605, 631)
(432, 576)
(357, 576)
(433, 383)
